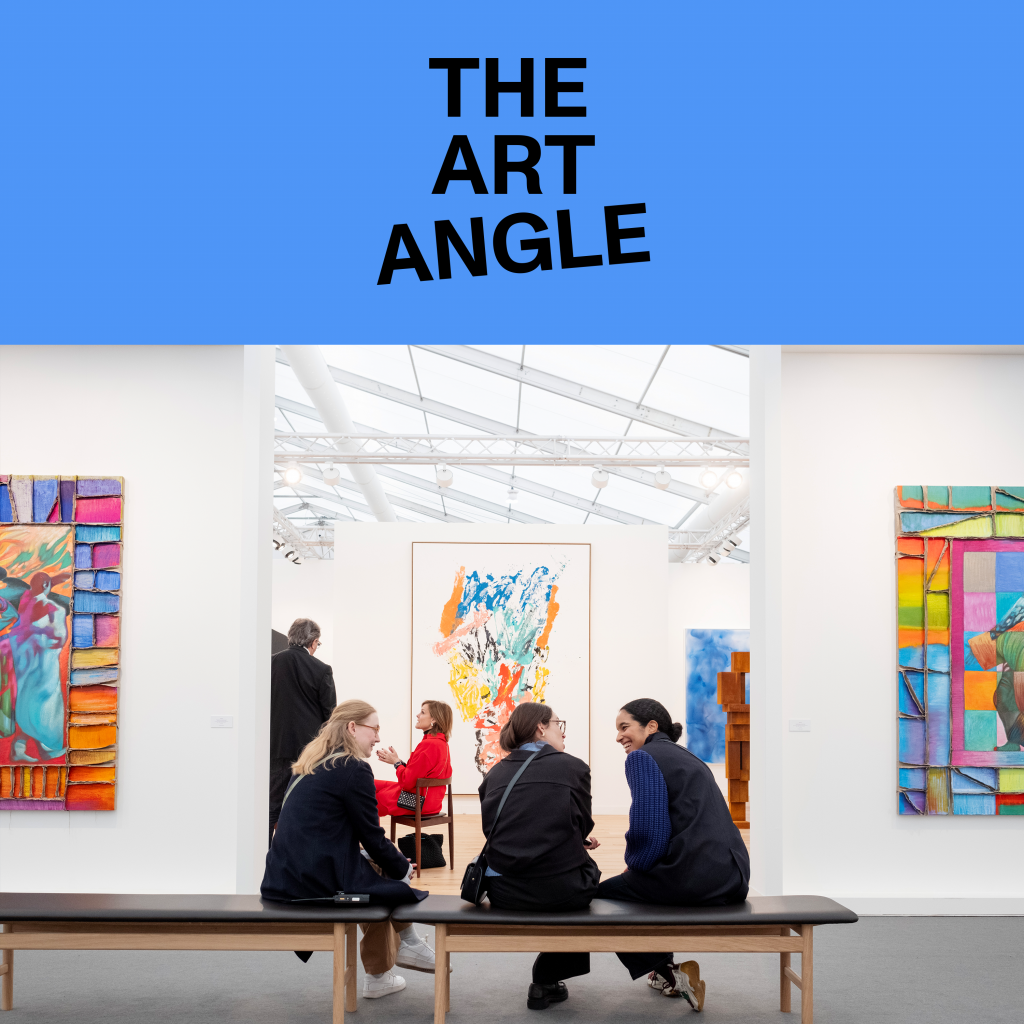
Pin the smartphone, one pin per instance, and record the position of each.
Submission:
(351, 897)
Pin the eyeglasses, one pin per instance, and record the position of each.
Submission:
(560, 723)
(375, 728)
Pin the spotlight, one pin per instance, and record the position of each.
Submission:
(292, 473)
(444, 476)
(715, 557)
(513, 494)
(734, 479)
(599, 478)
(708, 478)
(730, 545)
(662, 479)
(331, 474)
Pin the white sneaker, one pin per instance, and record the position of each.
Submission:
(377, 985)
(419, 957)
(689, 984)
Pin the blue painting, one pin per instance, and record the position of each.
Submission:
(708, 652)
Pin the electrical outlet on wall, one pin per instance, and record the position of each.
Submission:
(799, 725)
(222, 722)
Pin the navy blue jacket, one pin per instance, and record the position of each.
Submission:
(316, 847)
(705, 861)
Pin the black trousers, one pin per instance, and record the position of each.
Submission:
(280, 776)
(570, 890)
(622, 887)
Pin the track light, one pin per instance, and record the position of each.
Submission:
(331, 474)
(599, 478)
(708, 478)
(444, 476)
(715, 557)
(730, 545)
(513, 494)
(662, 479)
(292, 473)
(734, 479)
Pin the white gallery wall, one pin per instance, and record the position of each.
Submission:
(195, 640)
(629, 620)
(305, 591)
(853, 427)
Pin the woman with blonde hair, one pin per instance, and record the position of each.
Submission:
(430, 760)
(330, 808)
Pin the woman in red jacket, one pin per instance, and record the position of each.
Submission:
(430, 760)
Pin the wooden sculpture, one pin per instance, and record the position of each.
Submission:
(732, 695)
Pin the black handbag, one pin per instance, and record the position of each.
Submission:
(474, 881)
(408, 801)
(431, 855)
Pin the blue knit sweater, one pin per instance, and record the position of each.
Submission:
(650, 827)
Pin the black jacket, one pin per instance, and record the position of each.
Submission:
(706, 863)
(302, 698)
(316, 847)
(546, 817)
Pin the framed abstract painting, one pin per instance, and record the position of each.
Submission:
(960, 673)
(496, 625)
(708, 652)
(60, 639)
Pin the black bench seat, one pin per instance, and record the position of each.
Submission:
(760, 925)
(102, 921)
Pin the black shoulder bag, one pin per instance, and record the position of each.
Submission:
(474, 881)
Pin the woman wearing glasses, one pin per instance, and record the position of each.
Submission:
(329, 810)
(538, 854)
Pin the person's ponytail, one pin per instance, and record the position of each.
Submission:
(644, 710)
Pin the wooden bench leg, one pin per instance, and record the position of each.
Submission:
(7, 981)
(338, 1015)
(807, 977)
(785, 985)
(351, 947)
(441, 957)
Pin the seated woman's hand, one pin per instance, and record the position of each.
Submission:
(388, 755)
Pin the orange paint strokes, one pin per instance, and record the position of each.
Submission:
(84, 773)
(909, 502)
(90, 796)
(478, 619)
(910, 546)
(911, 637)
(553, 607)
(938, 553)
(449, 615)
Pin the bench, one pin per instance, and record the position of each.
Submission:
(99, 921)
(760, 925)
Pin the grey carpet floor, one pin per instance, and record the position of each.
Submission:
(931, 970)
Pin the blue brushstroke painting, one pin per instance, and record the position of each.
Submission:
(708, 652)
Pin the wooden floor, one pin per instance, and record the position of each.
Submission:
(609, 828)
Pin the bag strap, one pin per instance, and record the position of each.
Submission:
(504, 796)
(299, 778)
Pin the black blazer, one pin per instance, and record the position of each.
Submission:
(302, 698)
(546, 817)
(706, 862)
(316, 847)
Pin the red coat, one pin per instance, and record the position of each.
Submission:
(430, 760)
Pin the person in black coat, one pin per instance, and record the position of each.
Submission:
(682, 847)
(537, 854)
(302, 697)
(329, 810)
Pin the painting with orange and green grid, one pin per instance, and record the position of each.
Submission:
(960, 674)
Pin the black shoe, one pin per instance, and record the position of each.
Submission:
(541, 996)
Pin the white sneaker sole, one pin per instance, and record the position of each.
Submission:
(410, 965)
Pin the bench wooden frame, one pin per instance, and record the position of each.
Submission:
(336, 938)
(497, 938)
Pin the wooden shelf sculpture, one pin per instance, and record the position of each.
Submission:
(732, 695)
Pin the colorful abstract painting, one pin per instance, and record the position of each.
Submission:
(497, 625)
(60, 636)
(708, 652)
(960, 672)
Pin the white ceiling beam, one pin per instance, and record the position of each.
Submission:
(482, 423)
(496, 475)
(411, 506)
(577, 392)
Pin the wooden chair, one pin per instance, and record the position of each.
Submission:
(417, 821)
